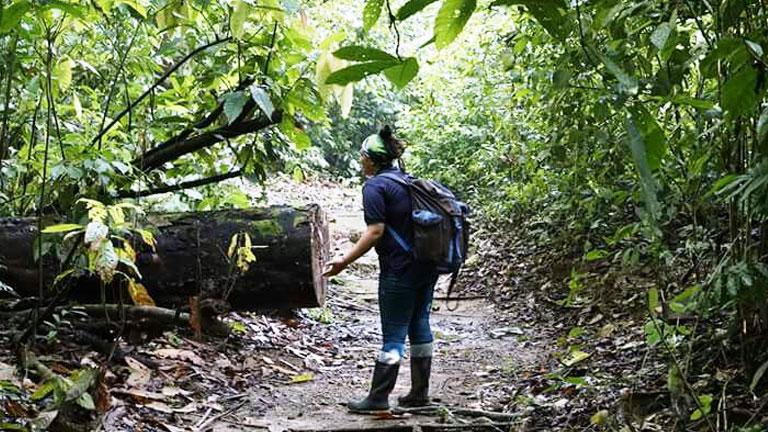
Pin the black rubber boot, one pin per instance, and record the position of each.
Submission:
(421, 367)
(384, 378)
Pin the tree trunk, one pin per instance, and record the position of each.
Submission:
(291, 246)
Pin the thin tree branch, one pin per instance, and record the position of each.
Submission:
(271, 49)
(182, 186)
(153, 86)
(113, 87)
(698, 23)
(393, 25)
(7, 97)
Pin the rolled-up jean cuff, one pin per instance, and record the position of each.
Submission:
(421, 350)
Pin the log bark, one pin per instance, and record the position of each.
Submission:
(191, 259)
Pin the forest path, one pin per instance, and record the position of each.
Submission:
(478, 347)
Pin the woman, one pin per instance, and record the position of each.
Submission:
(405, 287)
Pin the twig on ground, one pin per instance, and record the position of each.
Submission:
(203, 426)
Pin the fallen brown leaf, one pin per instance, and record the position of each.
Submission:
(178, 354)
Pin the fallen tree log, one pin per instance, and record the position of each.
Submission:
(191, 259)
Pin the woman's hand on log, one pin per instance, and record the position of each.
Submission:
(335, 267)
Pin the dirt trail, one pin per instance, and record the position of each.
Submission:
(472, 342)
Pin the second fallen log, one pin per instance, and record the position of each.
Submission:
(291, 246)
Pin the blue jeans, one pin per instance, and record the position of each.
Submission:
(405, 300)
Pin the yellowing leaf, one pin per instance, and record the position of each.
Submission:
(78, 107)
(63, 73)
(577, 356)
(60, 228)
(599, 418)
(302, 378)
(139, 294)
(347, 97)
(233, 245)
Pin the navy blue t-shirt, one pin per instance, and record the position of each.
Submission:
(387, 201)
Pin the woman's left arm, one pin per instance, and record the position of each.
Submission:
(372, 234)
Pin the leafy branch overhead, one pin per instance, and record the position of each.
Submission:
(373, 61)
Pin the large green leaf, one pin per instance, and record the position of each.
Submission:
(412, 7)
(237, 20)
(358, 72)
(403, 73)
(739, 95)
(261, 97)
(371, 13)
(551, 14)
(654, 141)
(451, 19)
(296, 135)
(646, 144)
(233, 105)
(627, 83)
(362, 54)
(660, 36)
(12, 15)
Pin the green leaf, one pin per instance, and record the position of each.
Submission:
(596, 254)
(758, 376)
(628, 84)
(550, 14)
(261, 97)
(233, 105)
(692, 101)
(653, 300)
(403, 73)
(739, 95)
(61, 228)
(451, 19)
(44, 390)
(755, 48)
(363, 54)
(706, 406)
(412, 7)
(358, 72)
(654, 141)
(13, 14)
(86, 401)
(560, 78)
(237, 20)
(296, 135)
(135, 5)
(74, 9)
(371, 13)
(762, 129)
(660, 36)
(640, 152)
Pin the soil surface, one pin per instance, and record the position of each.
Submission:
(472, 338)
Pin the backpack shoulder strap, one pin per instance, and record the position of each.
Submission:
(395, 177)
